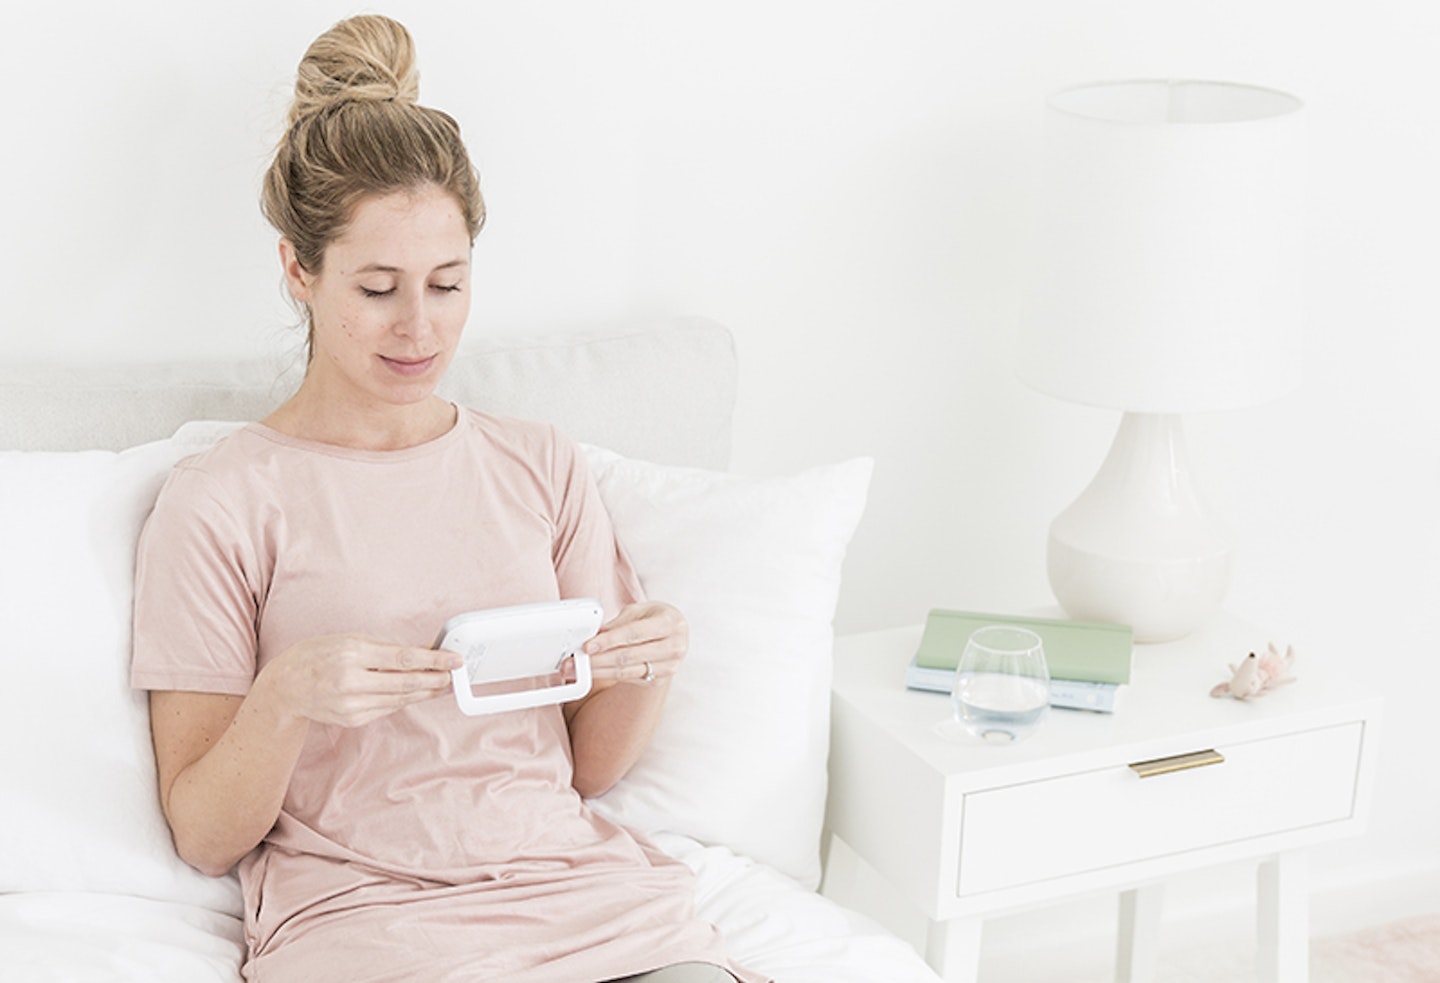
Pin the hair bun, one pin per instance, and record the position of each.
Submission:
(369, 58)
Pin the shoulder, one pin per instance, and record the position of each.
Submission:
(529, 440)
(536, 452)
(507, 429)
(221, 476)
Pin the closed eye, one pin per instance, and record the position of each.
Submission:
(446, 288)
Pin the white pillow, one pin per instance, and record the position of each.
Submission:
(754, 563)
(81, 806)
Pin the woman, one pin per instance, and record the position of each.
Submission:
(291, 579)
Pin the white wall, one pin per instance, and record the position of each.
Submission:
(847, 185)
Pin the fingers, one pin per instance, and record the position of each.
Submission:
(350, 680)
(395, 681)
(403, 671)
(643, 643)
(398, 658)
(406, 674)
(640, 624)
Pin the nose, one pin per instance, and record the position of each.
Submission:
(412, 320)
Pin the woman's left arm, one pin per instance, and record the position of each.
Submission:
(632, 658)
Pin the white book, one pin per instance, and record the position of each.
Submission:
(1068, 693)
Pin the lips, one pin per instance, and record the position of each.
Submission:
(409, 366)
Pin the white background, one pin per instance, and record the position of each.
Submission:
(848, 186)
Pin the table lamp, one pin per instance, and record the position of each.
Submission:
(1169, 248)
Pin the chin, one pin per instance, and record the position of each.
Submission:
(411, 394)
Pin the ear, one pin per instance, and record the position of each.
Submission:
(296, 279)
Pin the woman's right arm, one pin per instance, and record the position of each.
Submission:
(224, 762)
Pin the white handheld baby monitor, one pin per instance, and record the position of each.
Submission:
(520, 643)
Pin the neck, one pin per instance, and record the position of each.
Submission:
(373, 426)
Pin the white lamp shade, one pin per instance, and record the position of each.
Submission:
(1169, 247)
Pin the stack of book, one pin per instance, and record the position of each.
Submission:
(1088, 661)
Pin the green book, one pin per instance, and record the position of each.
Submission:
(1085, 651)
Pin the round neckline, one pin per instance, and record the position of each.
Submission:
(346, 452)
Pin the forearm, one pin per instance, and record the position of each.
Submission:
(223, 803)
(610, 730)
(633, 658)
(225, 762)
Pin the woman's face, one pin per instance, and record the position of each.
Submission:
(389, 305)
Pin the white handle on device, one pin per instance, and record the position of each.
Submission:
(474, 706)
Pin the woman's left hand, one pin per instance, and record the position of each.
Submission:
(643, 644)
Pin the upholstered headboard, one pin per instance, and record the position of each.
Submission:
(662, 392)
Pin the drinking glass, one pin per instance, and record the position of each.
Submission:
(1002, 685)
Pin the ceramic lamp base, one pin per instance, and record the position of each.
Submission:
(1139, 546)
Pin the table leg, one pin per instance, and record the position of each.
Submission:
(1137, 948)
(1283, 918)
(952, 949)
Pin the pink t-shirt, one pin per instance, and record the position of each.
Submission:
(427, 844)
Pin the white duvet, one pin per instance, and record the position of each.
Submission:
(770, 924)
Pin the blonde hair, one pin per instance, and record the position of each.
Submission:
(356, 130)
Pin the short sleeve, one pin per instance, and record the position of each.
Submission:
(196, 592)
(589, 559)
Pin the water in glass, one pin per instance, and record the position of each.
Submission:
(1002, 685)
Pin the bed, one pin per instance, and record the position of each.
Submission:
(90, 886)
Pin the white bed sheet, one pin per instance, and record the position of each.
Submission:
(771, 924)
(79, 937)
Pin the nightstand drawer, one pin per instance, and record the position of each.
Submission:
(1043, 830)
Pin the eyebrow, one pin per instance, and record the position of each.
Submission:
(383, 268)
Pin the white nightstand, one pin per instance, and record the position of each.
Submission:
(968, 830)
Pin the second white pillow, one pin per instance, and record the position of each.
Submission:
(754, 563)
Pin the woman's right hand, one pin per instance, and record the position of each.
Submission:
(224, 762)
(351, 680)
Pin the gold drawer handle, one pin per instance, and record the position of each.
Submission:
(1179, 762)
